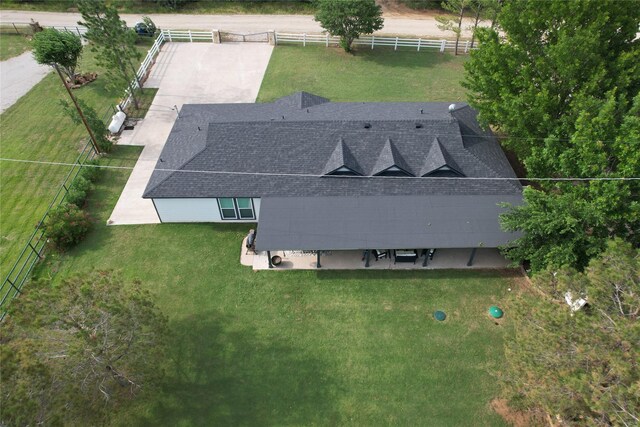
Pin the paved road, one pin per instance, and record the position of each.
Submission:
(425, 26)
(183, 73)
(17, 76)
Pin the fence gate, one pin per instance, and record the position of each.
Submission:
(237, 37)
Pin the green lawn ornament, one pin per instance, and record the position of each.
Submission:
(495, 312)
(439, 315)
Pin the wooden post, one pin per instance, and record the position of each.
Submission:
(169, 32)
(395, 47)
(419, 40)
(443, 44)
(304, 39)
(327, 39)
(190, 37)
(373, 41)
(75, 102)
(15, 28)
(466, 47)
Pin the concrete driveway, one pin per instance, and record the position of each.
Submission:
(17, 76)
(186, 73)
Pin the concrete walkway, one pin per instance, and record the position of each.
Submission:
(17, 76)
(186, 73)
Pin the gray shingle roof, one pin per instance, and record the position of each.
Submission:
(389, 157)
(342, 157)
(284, 148)
(437, 158)
(384, 222)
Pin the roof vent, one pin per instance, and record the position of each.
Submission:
(418, 125)
(452, 107)
(421, 111)
(367, 125)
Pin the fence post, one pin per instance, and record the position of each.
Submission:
(15, 28)
(443, 44)
(466, 47)
(304, 39)
(327, 39)
(169, 33)
(395, 47)
(190, 37)
(271, 37)
(216, 36)
(373, 41)
(78, 30)
(275, 38)
(419, 40)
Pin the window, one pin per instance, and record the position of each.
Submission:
(227, 208)
(239, 208)
(245, 208)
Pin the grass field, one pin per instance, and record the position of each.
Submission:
(293, 347)
(298, 347)
(13, 45)
(35, 128)
(369, 75)
(197, 7)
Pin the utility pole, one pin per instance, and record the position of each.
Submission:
(75, 102)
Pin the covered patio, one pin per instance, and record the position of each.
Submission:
(353, 260)
(342, 232)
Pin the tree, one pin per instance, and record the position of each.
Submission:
(76, 351)
(113, 42)
(580, 367)
(560, 83)
(100, 130)
(447, 23)
(552, 54)
(349, 19)
(61, 48)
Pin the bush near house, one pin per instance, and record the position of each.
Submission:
(66, 226)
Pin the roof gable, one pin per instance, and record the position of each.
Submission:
(439, 158)
(390, 159)
(301, 100)
(342, 158)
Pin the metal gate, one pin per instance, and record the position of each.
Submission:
(237, 37)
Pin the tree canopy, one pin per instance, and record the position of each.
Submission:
(349, 19)
(73, 352)
(581, 367)
(562, 84)
(61, 48)
(113, 42)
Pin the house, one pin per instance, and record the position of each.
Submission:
(329, 176)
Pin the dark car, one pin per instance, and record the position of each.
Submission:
(143, 29)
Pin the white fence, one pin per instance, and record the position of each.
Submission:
(190, 36)
(374, 41)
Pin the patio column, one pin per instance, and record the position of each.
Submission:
(318, 260)
(367, 257)
(473, 254)
(269, 259)
(426, 257)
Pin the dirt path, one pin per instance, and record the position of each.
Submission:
(397, 22)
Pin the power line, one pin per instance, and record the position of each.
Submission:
(50, 163)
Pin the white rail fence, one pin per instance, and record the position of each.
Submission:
(375, 41)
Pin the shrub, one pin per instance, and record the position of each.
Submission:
(78, 191)
(66, 226)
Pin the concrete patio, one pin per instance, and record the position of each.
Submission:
(185, 73)
(485, 258)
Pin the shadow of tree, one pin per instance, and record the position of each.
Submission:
(225, 373)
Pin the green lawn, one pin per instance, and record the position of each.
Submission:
(195, 7)
(35, 128)
(369, 75)
(303, 347)
(13, 45)
(298, 347)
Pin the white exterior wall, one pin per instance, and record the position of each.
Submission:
(194, 210)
